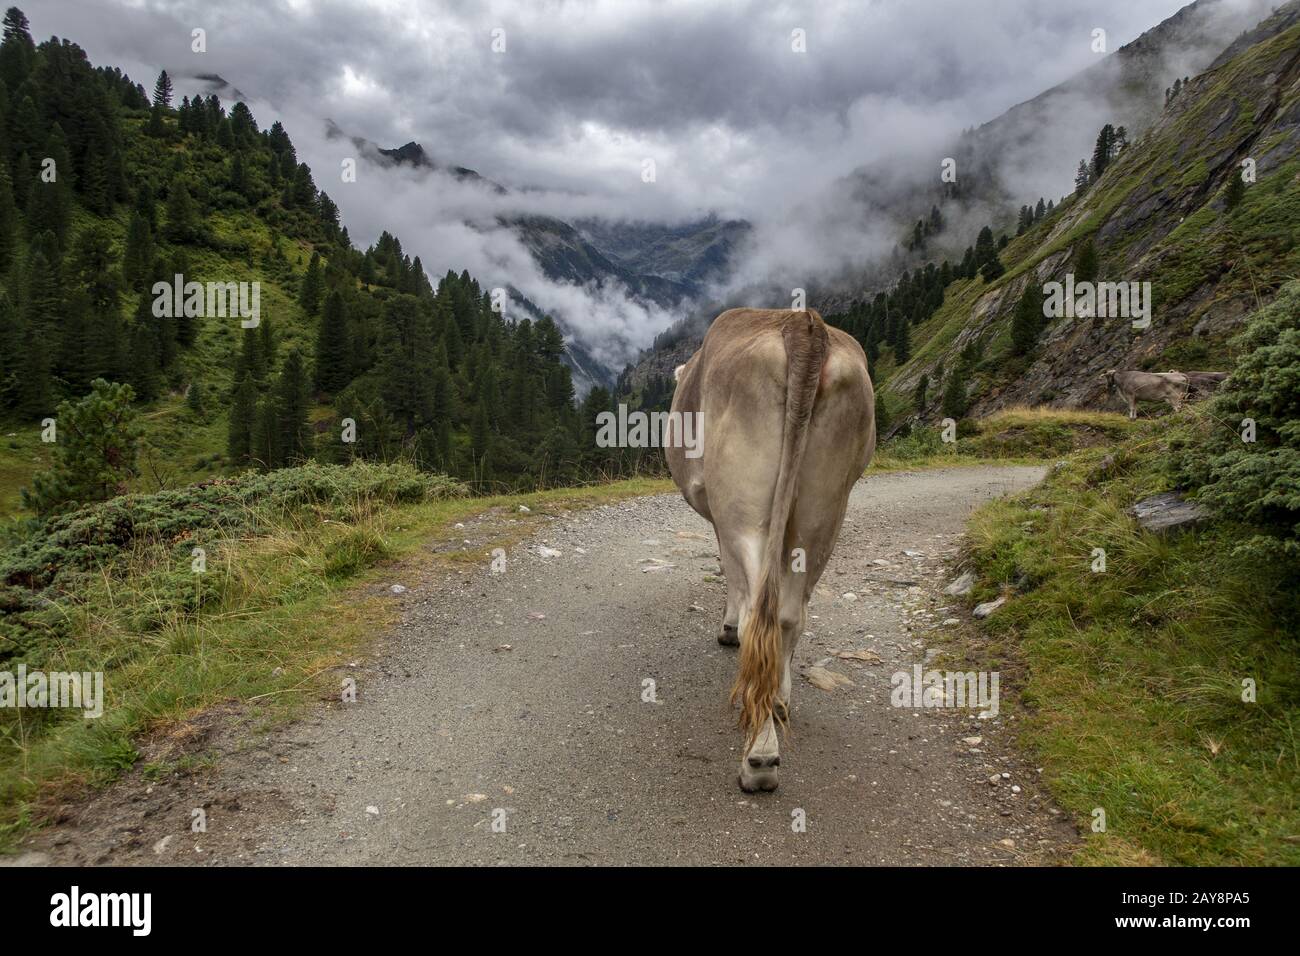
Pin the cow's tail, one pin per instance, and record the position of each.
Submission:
(759, 678)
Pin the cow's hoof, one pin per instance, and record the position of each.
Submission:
(729, 636)
(758, 773)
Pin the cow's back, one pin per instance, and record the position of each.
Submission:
(737, 382)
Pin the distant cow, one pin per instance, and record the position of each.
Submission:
(1202, 381)
(790, 427)
(1134, 386)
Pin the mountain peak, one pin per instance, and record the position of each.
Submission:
(412, 154)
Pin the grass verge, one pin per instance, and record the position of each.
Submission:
(1136, 679)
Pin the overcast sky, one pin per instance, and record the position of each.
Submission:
(735, 120)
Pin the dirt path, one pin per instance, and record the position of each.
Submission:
(453, 730)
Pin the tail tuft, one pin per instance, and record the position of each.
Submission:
(759, 677)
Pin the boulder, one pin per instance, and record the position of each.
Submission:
(1167, 513)
(961, 586)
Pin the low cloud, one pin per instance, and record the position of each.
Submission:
(736, 121)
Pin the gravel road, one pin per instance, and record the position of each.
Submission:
(509, 718)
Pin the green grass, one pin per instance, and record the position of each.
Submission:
(1013, 436)
(1132, 678)
(22, 454)
(273, 620)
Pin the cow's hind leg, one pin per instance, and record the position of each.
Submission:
(734, 572)
(793, 617)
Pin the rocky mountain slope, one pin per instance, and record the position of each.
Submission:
(1163, 214)
(1029, 151)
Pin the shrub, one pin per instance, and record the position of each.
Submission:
(95, 535)
(143, 543)
(94, 456)
(1255, 482)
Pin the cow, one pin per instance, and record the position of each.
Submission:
(1134, 386)
(1205, 382)
(788, 409)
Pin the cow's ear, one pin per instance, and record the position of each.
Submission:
(677, 373)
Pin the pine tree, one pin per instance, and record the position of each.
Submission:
(1086, 265)
(1027, 320)
(479, 433)
(1236, 191)
(238, 176)
(290, 402)
(902, 343)
(146, 206)
(954, 403)
(156, 127)
(22, 180)
(43, 298)
(17, 52)
(1082, 178)
(49, 201)
(310, 293)
(39, 326)
(406, 353)
(262, 441)
(91, 266)
(95, 455)
(144, 374)
(138, 255)
(333, 349)
(968, 267)
(162, 91)
(985, 248)
(194, 399)
(992, 269)
(266, 344)
(252, 360)
(8, 219)
(919, 394)
(182, 217)
(11, 338)
(162, 330)
(1103, 151)
(243, 412)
